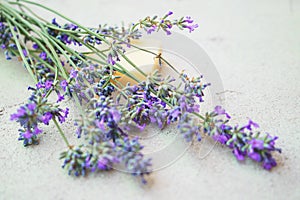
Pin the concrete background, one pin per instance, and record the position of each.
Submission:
(255, 46)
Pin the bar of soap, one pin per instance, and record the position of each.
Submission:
(145, 61)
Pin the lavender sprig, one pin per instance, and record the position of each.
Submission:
(106, 156)
(38, 110)
(243, 140)
(155, 24)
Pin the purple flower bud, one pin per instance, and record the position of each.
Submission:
(27, 134)
(64, 84)
(257, 144)
(100, 124)
(60, 97)
(21, 112)
(220, 138)
(169, 13)
(238, 154)
(102, 164)
(168, 32)
(250, 125)
(110, 60)
(37, 131)
(73, 73)
(151, 29)
(116, 115)
(269, 163)
(255, 156)
(191, 27)
(48, 84)
(54, 22)
(31, 106)
(220, 111)
(25, 52)
(43, 55)
(62, 118)
(35, 46)
(39, 85)
(46, 118)
(188, 19)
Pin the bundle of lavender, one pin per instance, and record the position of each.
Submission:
(109, 108)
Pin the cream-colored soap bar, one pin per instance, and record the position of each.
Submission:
(145, 61)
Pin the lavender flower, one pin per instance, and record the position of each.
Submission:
(242, 140)
(43, 55)
(101, 123)
(250, 125)
(129, 153)
(36, 111)
(189, 128)
(64, 84)
(105, 155)
(153, 24)
(220, 111)
(35, 46)
(5, 35)
(74, 160)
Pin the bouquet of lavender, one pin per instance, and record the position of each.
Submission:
(90, 74)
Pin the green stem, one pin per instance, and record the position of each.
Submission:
(61, 132)
(27, 34)
(21, 52)
(99, 53)
(198, 115)
(86, 29)
(54, 56)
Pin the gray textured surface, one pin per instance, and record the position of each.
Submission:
(255, 46)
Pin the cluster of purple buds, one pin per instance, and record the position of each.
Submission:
(169, 105)
(124, 154)
(77, 60)
(26, 116)
(118, 35)
(74, 160)
(182, 114)
(194, 86)
(153, 24)
(187, 23)
(189, 127)
(101, 122)
(81, 160)
(62, 36)
(175, 95)
(118, 32)
(128, 152)
(92, 40)
(5, 35)
(140, 107)
(101, 156)
(244, 141)
(37, 111)
(91, 82)
(113, 55)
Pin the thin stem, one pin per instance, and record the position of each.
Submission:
(54, 54)
(33, 39)
(87, 30)
(21, 52)
(198, 115)
(96, 51)
(61, 132)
